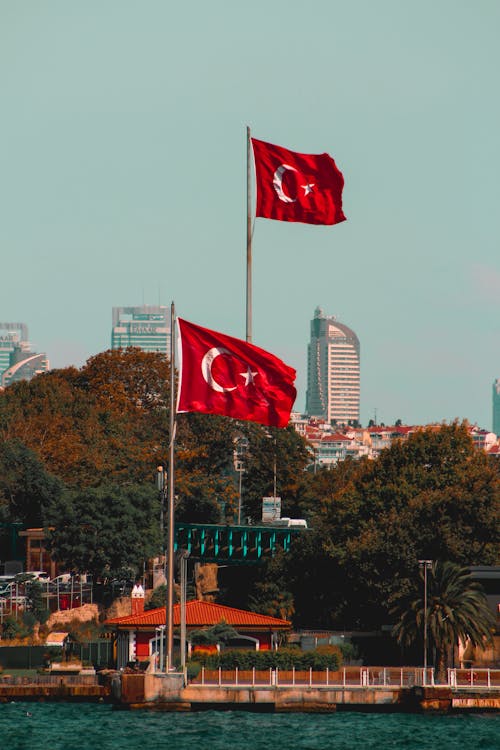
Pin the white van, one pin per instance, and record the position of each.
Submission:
(297, 523)
(290, 523)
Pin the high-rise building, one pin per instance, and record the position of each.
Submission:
(496, 406)
(333, 371)
(17, 361)
(147, 327)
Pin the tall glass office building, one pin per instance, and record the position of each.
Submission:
(146, 327)
(496, 406)
(333, 371)
(17, 361)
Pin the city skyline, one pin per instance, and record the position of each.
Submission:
(124, 181)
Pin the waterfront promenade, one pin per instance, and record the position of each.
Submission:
(351, 688)
(359, 688)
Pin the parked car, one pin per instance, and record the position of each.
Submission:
(9, 589)
(38, 575)
(61, 582)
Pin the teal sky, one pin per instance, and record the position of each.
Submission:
(122, 180)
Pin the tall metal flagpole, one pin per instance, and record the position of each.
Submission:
(249, 240)
(171, 499)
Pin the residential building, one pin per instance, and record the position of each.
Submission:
(483, 439)
(146, 327)
(333, 371)
(17, 361)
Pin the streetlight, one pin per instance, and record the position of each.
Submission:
(425, 565)
(239, 465)
(183, 584)
(161, 483)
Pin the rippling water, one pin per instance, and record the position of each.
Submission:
(85, 726)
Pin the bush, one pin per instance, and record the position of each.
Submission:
(158, 598)
(13, 629)
(284, 658)
(193, 669)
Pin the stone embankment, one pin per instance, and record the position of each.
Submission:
(167, 692)
(54, 688)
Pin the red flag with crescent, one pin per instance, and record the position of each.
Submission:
(297, 187)
(219, 374)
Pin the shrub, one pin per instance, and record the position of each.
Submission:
(158, 598)
(284, 658)
(13, 629)
(193, 669)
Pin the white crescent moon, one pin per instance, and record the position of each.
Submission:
(278, 183)
(206, 369)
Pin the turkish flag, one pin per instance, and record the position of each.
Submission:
(297, 187)
(223, 375)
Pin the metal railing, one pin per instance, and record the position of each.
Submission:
(48, 679)
(348, 677)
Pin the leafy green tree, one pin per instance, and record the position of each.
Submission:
(36, 603)
(273, 455)
(434, 496)
(158, 598)
(457, 609)
(106, 529)
(26, 488)
(270, 599)
(221, 633)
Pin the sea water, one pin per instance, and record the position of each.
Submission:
(86, 726)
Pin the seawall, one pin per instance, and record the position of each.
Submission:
(167, 693)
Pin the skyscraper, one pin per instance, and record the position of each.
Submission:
(333, 371)
(147, 327)
(496, 406)
(17, 362)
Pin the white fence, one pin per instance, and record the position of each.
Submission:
(351, 677)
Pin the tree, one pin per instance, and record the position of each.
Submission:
(105, 422)
(434, 496)
(270, 599)
(457, 609)
(221, 633)
(36, 604)
(26, 488)
(106, 529)
(273, 456)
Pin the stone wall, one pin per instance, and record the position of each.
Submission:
(86, 613)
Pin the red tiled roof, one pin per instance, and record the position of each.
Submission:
(400, 429)
(200, 614)
(337, 437)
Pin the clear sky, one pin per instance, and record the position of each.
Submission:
(123, 180)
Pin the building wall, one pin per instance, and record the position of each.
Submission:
(333, 373)
(496, 406)
(146, 327)
(17, 362)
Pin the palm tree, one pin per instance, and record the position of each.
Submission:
(457, 609)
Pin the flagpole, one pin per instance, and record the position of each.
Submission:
(249, 241)
(171, 499)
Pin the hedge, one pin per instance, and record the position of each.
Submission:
(284, 658)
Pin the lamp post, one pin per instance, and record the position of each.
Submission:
(239, 455)
(161, 483)
(183, 584)
(425, 565)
